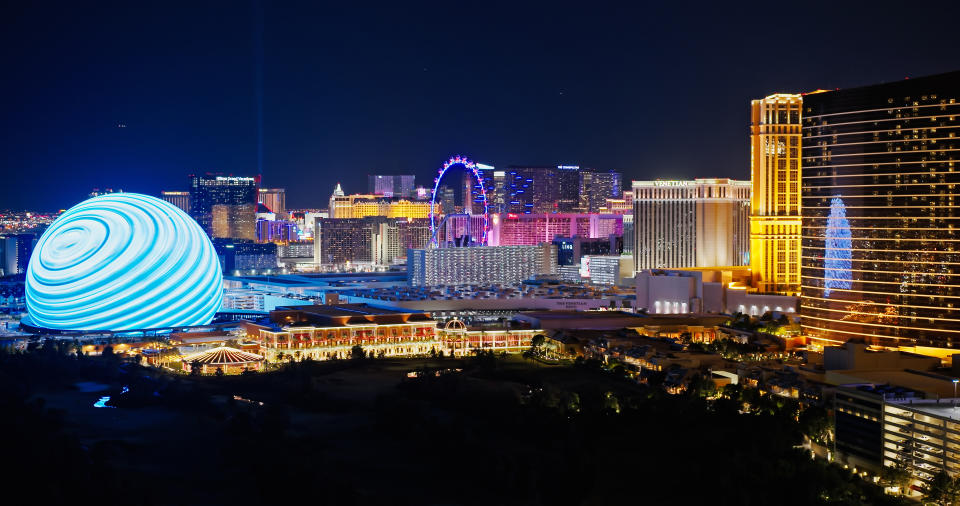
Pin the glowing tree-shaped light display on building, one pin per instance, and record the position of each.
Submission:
(836, 258)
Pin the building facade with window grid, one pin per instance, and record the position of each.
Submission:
(775, 203)
(881, 213)
(479, 264)
(237, 197)
(699, 223)
(531, 229)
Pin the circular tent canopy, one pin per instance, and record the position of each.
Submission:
(223, 356)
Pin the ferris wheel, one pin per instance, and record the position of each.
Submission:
(481, 195)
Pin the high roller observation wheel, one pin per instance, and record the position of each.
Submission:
(472, 168)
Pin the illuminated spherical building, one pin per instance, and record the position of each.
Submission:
(123, 262)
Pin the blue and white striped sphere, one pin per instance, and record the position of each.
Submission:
(123, 261)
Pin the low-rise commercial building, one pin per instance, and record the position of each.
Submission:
(681, 291)
(323, 332)
(459, 340)
(257, 300)
(606, 270)
(331, 332)
(891, 418)
(923, 434)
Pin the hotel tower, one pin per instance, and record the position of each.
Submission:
(691, 224)
(775, 203)
(881, 213)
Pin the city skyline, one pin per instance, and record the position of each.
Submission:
(624, 91)
(412, 246)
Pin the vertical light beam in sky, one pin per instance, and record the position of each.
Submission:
(258, 77)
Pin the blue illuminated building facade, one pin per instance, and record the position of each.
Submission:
(571, 249)
(277, 231)
(521, 190)
(553, 189)
(15, 251)
(246, 257)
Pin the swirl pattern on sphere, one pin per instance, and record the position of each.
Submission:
(123, 261)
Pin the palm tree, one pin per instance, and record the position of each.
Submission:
(897, 476)
(535, 345)
(939, 490)
(537, 341)
(357, 353)
(943, 489)
(166, 354)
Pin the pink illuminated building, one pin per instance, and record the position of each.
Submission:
(530, 229)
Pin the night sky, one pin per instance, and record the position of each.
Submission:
(654, 92)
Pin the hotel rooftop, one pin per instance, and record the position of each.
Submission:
(344, 315)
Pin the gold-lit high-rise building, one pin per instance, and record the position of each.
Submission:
(881, 221)
(775, 204)
(230, 221)
(275, 199)
(364, 205)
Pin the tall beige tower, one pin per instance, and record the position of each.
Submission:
(775, 204)
(689, 224)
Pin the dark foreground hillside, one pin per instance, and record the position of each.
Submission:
(500, 431)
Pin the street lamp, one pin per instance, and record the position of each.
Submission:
(955, 381)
